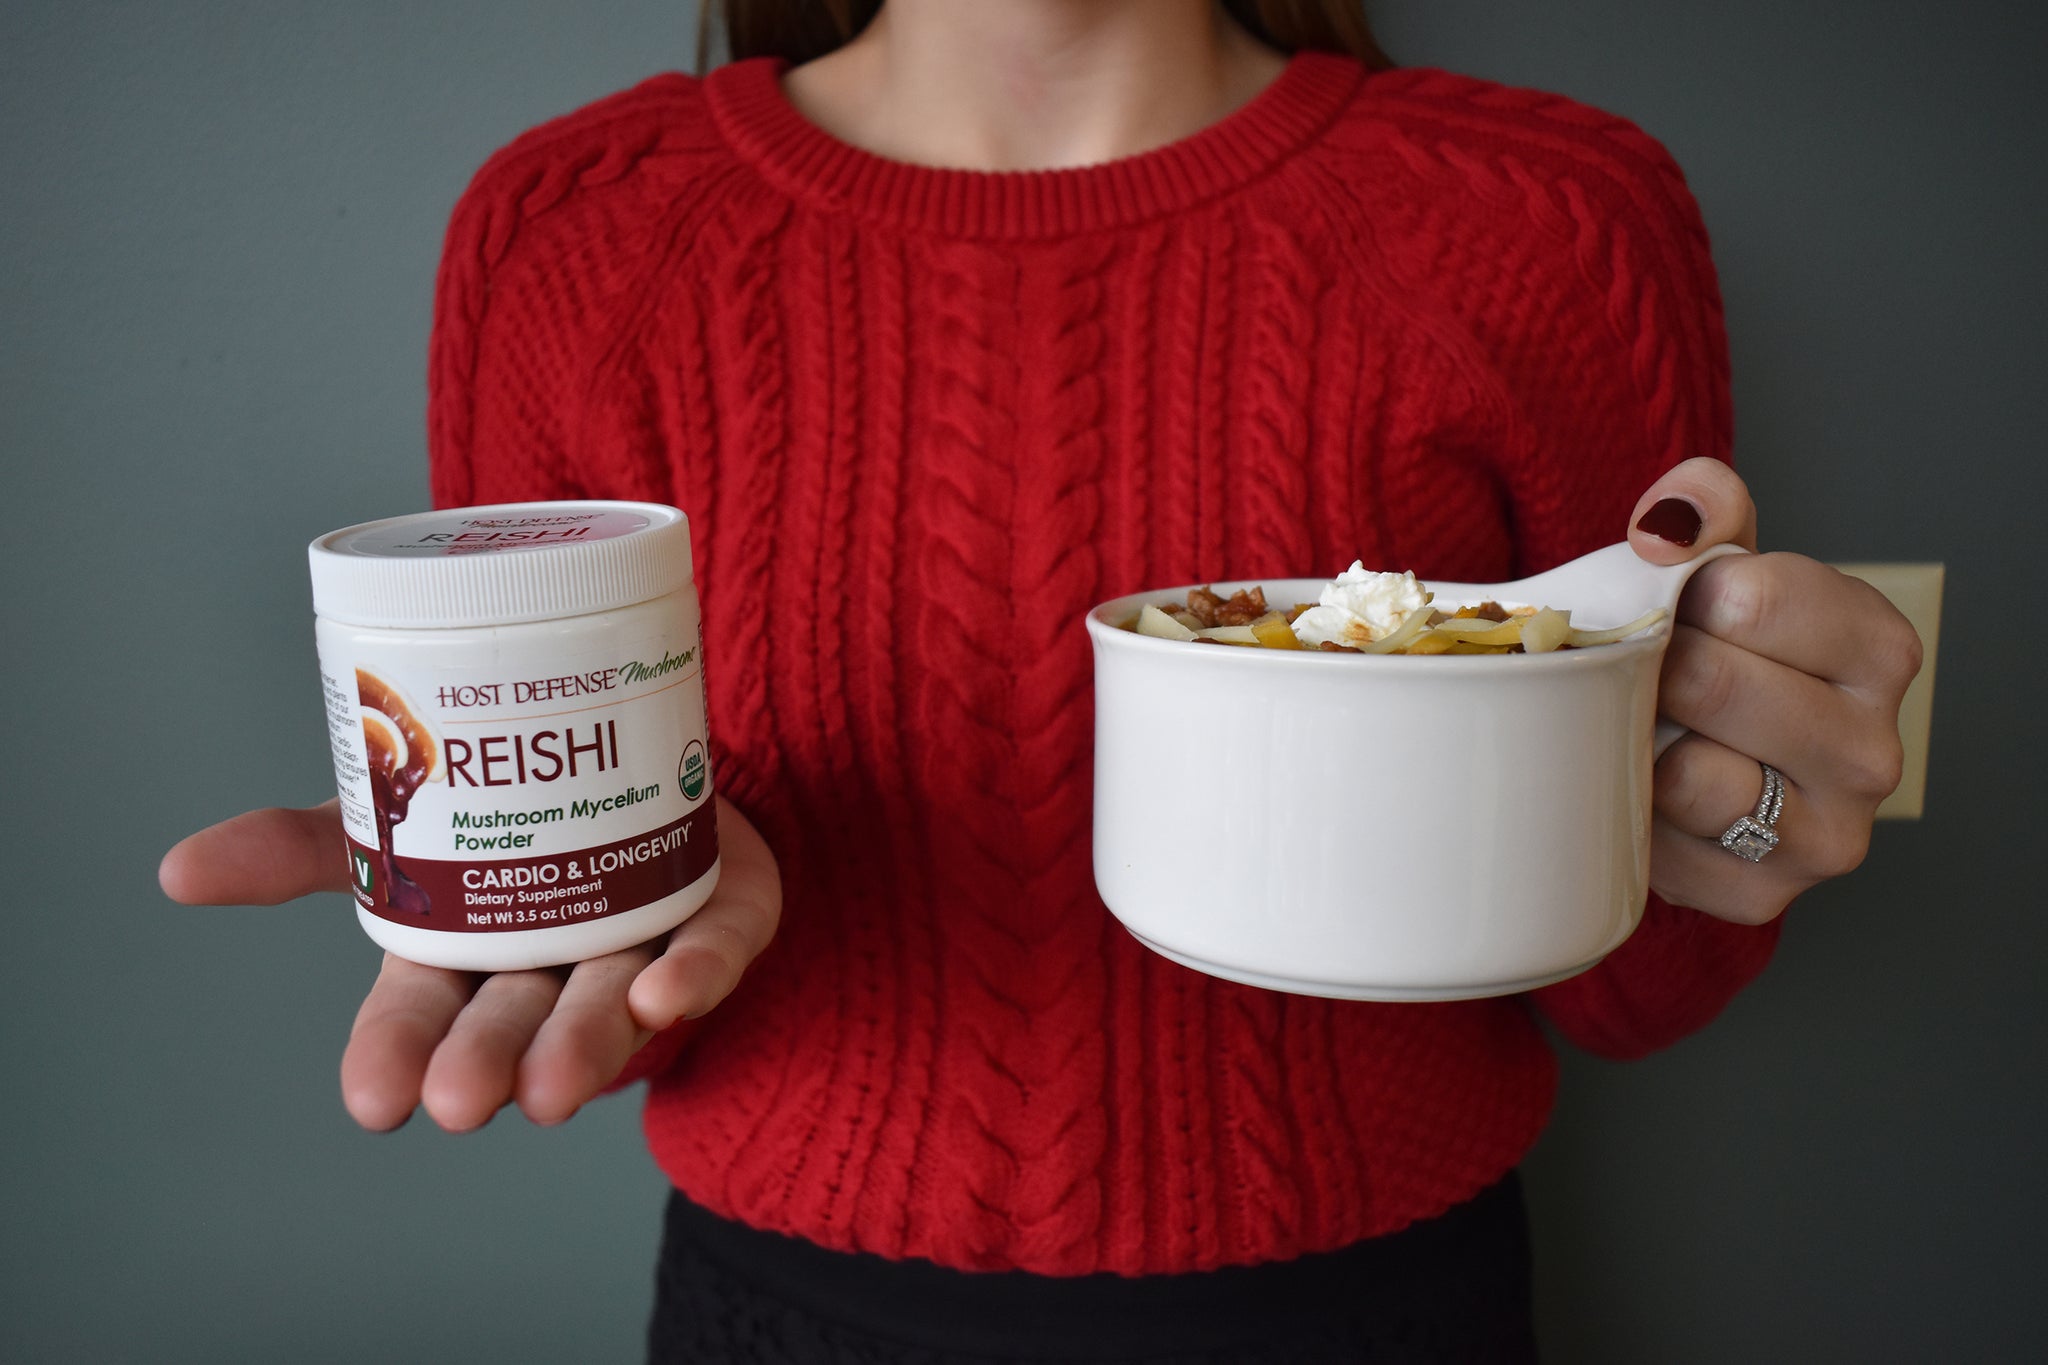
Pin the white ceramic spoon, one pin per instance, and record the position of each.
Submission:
(1609, 587)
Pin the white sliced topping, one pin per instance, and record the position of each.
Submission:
(1152, 621)
(1545, 630)
(1229, 635)
(1582, 638)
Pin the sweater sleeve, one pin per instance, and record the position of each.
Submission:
(501, 384)
(538, 273)
(520, 318)
(1611, 355)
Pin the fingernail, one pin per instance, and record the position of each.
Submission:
(1673, 519)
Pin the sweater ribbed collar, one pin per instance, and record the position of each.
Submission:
(764, 128)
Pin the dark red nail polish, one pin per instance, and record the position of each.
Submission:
(1673, 519)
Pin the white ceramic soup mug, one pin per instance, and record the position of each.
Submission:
(1385, 827)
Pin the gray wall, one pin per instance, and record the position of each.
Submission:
(219, 234)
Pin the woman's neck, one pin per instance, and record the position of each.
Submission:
(1032, 84)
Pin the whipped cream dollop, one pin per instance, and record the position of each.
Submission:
(1360, 607)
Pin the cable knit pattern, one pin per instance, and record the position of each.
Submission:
(921, 420)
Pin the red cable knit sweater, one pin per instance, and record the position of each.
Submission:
(920, 421)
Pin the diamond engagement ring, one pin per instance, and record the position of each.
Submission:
(1756, 834)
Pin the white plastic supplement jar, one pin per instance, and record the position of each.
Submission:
(515, 698)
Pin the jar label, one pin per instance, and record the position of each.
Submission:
(523, 785)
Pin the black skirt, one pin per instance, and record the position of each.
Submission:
(1452, 1289)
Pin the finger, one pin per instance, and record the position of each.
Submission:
(403, 1019)
(585, 1041)
(1693, 872)
(709, 952)
(705, 958)
(1702, 788)
(261, 857)
(1756, 705)
(1807, 616)
(1696, 504)
(473, 1070)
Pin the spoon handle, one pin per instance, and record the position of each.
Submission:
(1669, 732)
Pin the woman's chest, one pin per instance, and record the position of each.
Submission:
(1013, 432)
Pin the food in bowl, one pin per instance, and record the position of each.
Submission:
(1366, 612)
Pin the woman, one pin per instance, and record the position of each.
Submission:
(966, 319)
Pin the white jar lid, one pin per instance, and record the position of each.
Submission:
(500, 565)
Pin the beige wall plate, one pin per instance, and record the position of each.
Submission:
(1914, 589)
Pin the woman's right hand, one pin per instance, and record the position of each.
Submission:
(464, 1044)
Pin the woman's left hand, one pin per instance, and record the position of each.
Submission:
(1774, 659)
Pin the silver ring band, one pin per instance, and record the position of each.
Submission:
(1756, 834)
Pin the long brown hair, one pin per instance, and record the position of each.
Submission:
(799, 30)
